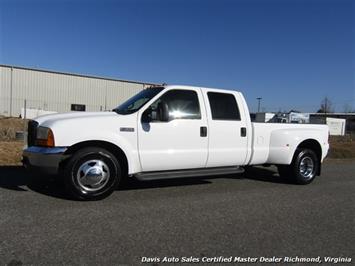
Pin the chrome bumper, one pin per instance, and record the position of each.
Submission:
(44, 159)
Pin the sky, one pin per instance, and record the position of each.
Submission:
(292, 53)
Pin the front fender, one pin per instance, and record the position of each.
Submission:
(124, 141)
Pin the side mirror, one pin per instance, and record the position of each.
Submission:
(147, 115)
(163, 111)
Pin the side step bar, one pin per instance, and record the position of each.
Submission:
(189, 173)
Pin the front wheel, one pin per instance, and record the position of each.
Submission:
(303, 168)
(92, 174)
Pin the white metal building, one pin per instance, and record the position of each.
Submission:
(263, 117)
(60, 92)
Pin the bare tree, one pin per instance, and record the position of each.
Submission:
(325, 106)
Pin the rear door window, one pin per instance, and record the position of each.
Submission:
(223, 106)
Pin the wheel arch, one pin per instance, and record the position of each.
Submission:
(114, 149)
(313, 145)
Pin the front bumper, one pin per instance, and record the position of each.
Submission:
(46, 160)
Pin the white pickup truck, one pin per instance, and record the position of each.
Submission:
(169, 132)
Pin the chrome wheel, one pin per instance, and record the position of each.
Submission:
(93, 175)
(307, 167)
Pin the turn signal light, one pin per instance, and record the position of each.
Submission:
(48, 141)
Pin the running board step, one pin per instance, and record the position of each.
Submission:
(189, 173)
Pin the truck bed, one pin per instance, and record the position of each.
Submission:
(275, 143)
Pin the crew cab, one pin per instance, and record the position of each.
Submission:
(168, 132)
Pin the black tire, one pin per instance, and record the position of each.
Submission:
(303, 169)
(92, 173)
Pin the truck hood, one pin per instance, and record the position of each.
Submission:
(50, 120)
(75, 127)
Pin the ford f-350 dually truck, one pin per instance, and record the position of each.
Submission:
(168, 132)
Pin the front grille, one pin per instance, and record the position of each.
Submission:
(31, 133)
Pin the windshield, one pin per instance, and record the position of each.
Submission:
(137, 101)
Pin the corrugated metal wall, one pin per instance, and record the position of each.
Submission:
(53, 91)
(5, 89)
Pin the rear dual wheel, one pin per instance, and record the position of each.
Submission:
(303, 169)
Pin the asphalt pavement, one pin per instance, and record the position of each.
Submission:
(255, 215)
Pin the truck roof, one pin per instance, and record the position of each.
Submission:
(194, 87)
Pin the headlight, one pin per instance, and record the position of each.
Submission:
(44, 137)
